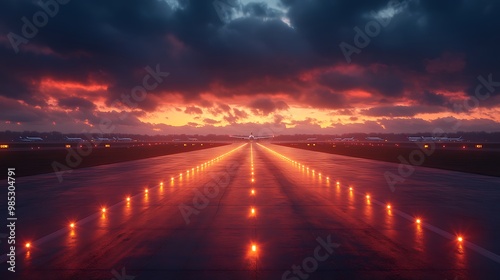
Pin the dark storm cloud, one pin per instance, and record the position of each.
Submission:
(224, 107)
(230, 118)
(324, 99)
(76, 103)
(193, 110)
(399, 111)
(236, 115)
(323, 21)
(278, 119)
(219, 108)
(421, 31)
(386, 82)
(264, 106)
(240, 113)
(449, 62)
(205, 103)
(428, 44)
(261, 10)
(306, 121)
(210, 121)
(115, 41)
(433, 99)
(14, 111)
(344, 112)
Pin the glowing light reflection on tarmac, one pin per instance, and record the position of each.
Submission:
(461, 244)
(368, 207)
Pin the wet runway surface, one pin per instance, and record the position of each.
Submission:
(255, 211)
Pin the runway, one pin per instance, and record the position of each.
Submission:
(255, 211)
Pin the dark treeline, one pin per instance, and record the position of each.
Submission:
(8, 136)
(466, 136)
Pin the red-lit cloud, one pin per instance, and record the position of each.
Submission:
(279, 69)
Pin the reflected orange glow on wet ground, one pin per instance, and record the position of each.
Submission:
(248, 211)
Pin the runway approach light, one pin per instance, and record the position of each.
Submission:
(253, 180)
(128, 198)
(253, 191)
(254, 248)
(419, 221)
(350, 188)
(146, 190)
(103, 210)
(388, 206)
(460, 239)
(28, 245)
(253, 210)
(367, 196)
(72, 225)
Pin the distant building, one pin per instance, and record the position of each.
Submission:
(434, 139)
(73, 139)
(415, 138)
(31, 139)
(101, 139)
(374, 139)
(125, 139)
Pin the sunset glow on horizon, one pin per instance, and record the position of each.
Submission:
(278, 72)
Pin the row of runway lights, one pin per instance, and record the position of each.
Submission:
(417, 220)
(72, 225)
(252, 191)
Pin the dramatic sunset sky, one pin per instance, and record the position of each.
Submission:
(269, 67)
